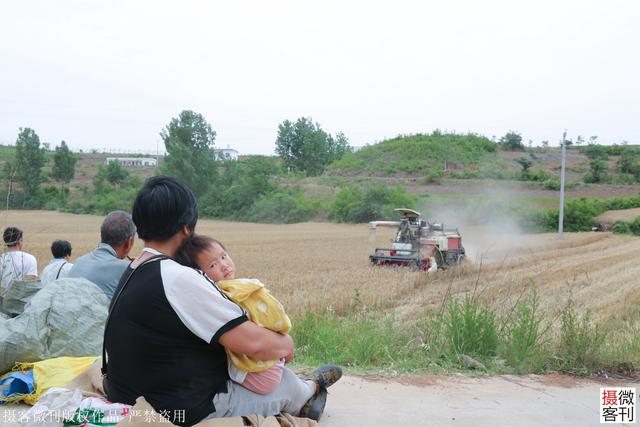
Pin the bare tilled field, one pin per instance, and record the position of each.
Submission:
(321, 266)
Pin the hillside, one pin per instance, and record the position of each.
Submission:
(477, 157)
(416, 154)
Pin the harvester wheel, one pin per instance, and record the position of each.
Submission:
(440, 260)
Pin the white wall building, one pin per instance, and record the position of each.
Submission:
(225, 153)
(133, 161)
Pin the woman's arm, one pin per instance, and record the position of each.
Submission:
(257, 342)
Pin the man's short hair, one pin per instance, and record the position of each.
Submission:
(117, 227)
(162, 207)
(11, 236)
(60, 248)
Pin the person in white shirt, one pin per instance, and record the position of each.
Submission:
(59, 266)
(14, 263)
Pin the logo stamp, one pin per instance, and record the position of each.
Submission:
(618, 405)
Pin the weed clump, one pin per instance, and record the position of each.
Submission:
(466, 334)
(471, 328)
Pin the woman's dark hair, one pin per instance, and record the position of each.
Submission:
(162, 207)
(192, 246)
(60, 248)
(11, 236)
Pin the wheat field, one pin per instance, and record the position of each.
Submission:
(321, 266)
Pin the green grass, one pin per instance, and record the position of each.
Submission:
(521, 340)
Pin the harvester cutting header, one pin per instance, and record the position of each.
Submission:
(418, 244)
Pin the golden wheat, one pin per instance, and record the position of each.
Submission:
(319, 266)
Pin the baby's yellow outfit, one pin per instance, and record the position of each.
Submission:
(263, 309)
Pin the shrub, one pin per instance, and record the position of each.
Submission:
(512, 141)
(580, 340)
(551, 184)
(52, 198)
(598, 171)
(524, 331)
(471, 328)
(281, 207)
(621, 227)
(353, 204)
(623, 202)
(537, 175)
(433, 176)
(239, 186)
(595, 151)
(635, 226)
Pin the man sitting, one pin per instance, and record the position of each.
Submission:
(105, 265)
(59, 266)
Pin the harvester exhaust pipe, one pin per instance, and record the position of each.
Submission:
(374, 224)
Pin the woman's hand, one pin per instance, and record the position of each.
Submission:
(289, 357)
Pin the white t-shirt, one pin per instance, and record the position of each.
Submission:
(56, 269)
(16, 266)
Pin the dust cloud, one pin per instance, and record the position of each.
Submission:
(488, 224)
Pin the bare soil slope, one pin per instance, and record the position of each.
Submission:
(626, 215)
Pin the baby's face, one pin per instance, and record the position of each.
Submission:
(216, 263)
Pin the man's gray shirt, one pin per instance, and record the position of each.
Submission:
(101, 267)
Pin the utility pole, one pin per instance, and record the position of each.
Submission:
(563, 144)
(157, 154)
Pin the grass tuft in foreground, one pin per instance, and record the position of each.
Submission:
(465, 334)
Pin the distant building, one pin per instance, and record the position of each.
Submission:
(132, 161)
(225, 153)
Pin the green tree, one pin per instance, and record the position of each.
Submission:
(525, 163)
(240, 185)
(64, 166)
(598, 169)
(511, 141)
(189, 141)
(353, 204)
(29, 162)
(338, 147)
(627, 163)
(9, 172)
(305, 147)
(115, 174)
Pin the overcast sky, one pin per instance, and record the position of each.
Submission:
(101, 74)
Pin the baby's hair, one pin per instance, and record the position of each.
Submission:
(192, 246)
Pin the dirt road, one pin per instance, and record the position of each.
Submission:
(550, 400)
(456, 400)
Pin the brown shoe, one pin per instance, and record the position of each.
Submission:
(327, 375)
(315, 406)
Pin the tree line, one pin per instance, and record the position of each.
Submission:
(222, 186)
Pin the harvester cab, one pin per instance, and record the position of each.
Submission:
(418, 244)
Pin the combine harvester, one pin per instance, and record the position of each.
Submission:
(418, 244)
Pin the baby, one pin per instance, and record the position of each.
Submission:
(210, 256)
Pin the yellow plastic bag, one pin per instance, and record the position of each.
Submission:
(53, 373)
